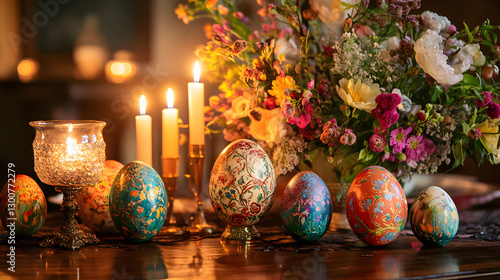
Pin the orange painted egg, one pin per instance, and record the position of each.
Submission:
(376, 206)
(22, 205)
(93, 201)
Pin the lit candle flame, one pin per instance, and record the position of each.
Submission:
(170, 98)
(71, 145)
(142, 105)
(197, 72)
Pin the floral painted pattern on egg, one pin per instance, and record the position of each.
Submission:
(306, 207)
(434, 217)
(242, 183)
(23, 201)
(376, 206)
(93, 201)
(138, 202)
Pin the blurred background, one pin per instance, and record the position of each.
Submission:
(75, 59)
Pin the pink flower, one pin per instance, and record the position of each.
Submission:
(486, 100)
(377, 143)
(301, 119)
(385, 111)
(349, 138)
(414, 149)
(398, 139)
(310, 85)
(493, 110)
(221, 34)
(388, 157)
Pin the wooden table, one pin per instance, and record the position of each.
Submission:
(338, 255)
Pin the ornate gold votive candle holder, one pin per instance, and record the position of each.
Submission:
(69, 155)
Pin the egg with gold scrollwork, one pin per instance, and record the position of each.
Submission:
(138, 202)
(434, 217)
(242, 183)
(22, 205)
(93, 201)
(376, 206)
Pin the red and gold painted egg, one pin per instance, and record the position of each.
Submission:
(22, 204)
(93, 201)
(376, 206)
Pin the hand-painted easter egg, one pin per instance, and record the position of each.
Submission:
(434, 217)
(22, 205)
(242, 183)
(376, 206)
(138, 202)
(93, 201)
(306, 207)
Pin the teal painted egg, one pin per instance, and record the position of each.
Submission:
(138, 202)
(22, 206)
(434, 217)
(376, 206)
(306, 207)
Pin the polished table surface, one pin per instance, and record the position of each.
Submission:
(475, 252)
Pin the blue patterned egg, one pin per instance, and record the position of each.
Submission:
(306, 207)
(434, 217)
(22, 205)
(138, 202)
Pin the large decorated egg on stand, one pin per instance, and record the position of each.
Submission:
(434, 217)
(93, 201)
(242, 187)
(306, 207)
(23, 207)
(376, 206)
(138, 202)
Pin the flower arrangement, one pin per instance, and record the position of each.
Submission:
(361, 83)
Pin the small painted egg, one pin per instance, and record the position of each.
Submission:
(376, 206)
(434, 217)
(93, 201)
(138, 202)
(242, 183)
(22, 205)
(306, 207)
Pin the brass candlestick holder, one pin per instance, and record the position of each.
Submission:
(197, 157)
(170, 173)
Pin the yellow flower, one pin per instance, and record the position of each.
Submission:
(490, 141)
(211, 3)
(358, 94)
(280, 85)
(271, 127)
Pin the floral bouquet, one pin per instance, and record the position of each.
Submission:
(357, 83)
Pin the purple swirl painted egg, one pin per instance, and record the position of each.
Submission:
(306, 207)
(242, 183)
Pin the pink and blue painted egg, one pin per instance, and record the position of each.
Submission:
(138, 202)
(23, 203)
(434, 217)
(306, 207)
(242, 183)
(376, 206)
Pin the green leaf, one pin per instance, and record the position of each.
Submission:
(470, 80)
(365, 154)
(459, 154)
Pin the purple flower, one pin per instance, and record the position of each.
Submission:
(493, 110)
(414, 149)
(377, 143)
(385, 111)
(388, 157)
(486, 100)
(398, 139)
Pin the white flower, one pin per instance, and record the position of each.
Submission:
(435, 22)
(331, 12)
(468, 55)
(290, 48)
(358, 94)
(429, 55)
